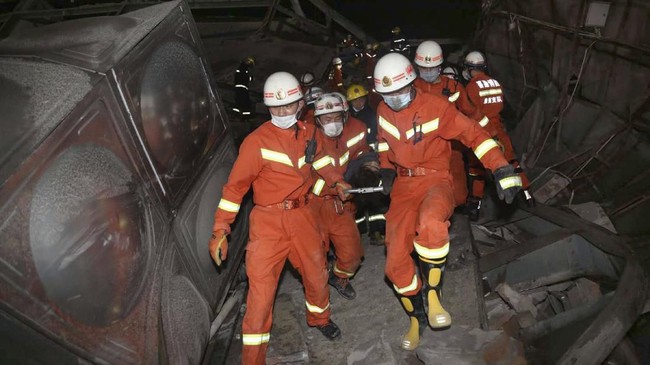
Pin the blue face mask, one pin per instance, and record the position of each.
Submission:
(430, 74)
(397, 102)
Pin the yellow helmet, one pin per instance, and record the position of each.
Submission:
(355, 91)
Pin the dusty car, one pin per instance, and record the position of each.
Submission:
(114, 148)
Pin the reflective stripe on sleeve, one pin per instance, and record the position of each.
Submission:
(228, 206)
(354, 140)
(432, 253)
(484, 121)
(318, 186)
(454, 97)
(412, 286)
(484, 147)
(255, 339)
(382, 147)
(322, 162)
(344, 158)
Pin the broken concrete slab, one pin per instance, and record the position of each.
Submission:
(594, 213)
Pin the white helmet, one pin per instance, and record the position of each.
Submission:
(346, 107)
(450, 72)
(328, 103)
(475, 60)
(393, 72)
(307, 79)
(312, 94)
(281, 88)
(336, 61)
(428, 54)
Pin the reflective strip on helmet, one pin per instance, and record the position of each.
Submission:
(454, 97)
(412, 286)
(484, 121)
(354, 140)
(510, 182)
(344, 158)
(342, 272)
(376, 217)
(255, 339)
(322, 162)
(484, 147)
(276, 156)
(316, 309)
(301, 162)
(432, 253)
(391, 129)
(424, 128)
(382, 147)
(228, 206)
(318, 186)
(489, 92)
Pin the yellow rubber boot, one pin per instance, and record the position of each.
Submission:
(433, 272)
(414, 307)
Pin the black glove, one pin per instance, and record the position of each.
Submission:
(387, 177)
(508, 183)
(355, 165)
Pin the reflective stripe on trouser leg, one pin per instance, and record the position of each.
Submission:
(269, 254)
(400, 230)
(414, 307)
(476, 178)
(432, 246)
(308, 256)
(342, 231)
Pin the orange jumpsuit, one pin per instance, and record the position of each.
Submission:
(336, 218)
(415, 141)
(281, 226)
(335, 82)
(455, 92)
(486, 94)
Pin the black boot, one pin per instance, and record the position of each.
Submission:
(432, 272)
(343, 286)
(330, 330)
(414, 307)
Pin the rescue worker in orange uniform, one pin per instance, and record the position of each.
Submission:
(414, 133)
(486, 94)
(345, 141)
(272, 159)
(370, 59)
(307, 80)
(310, 97)
(428, 58)
(335, 82)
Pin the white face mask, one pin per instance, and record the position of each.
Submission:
(397, 102)
(357, 110)
(284, 122)
(430, 74)
(333, 129)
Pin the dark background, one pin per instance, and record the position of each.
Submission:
(416, 18)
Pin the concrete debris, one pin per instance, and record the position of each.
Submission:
(519, 303)
(594, 213)
(504, 350)
(459, 345)
(553, 185)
